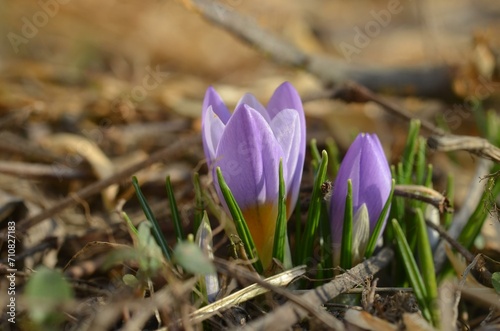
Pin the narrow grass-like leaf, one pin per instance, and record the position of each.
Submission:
(158, 235)
(132, 228)
(325, 244)
(410, 150)
(428, 178)
(199, 206)
(314, 211)
(427, 267)
(280, 232)
(297, 254)
(333, 157)
(239, 222)
(495, 280)
(450, 194)
(315, 151)
(176, 218)
(372, 243)
(346, 248)
(473, 227)
(420, 164)
(412, 271)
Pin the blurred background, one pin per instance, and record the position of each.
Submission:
(130, 76)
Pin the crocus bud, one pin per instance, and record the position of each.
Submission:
(366, 165)
(204, 241)
(247, 146)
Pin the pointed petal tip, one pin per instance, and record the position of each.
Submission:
(212, 98)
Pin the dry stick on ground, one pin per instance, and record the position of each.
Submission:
(352, 92)
(42, 171)
(241, 273)
(419, 80)
(480, 266)
(169, 152)
(475, 145)
(290, 313)
(425, 194)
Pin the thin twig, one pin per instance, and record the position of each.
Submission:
(238, 272)
(94, 188)
(42, 171)
(288, 314)
(475, 145)
(425, 194)
(480, 266)
(353, 92)
(432, 80)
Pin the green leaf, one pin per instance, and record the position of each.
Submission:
(428, 178)
(132, 228)
(130, 280)
(157, 233)
(372, 243)
(314, 151)
(175, 211)
(420, 164)
(280, 232)
(411, 269)
(495, 280)
(325, 245)
(333, 157)
(473, 227)
(239, 222)
(314, 213)
(427, 267)
(189, 256)
(410, 150)
(346, 248)
(46, 292)
(150, 254)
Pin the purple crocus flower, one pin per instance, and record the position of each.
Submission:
(366, 165)
(248, 146)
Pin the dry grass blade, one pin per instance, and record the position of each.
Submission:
(42, 171)
(290, 313)
(245, 294)
(177, 147)
(364, 320)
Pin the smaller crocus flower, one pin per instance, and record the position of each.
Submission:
(248, 146)
(366, 166)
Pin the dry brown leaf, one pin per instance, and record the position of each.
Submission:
(366, 321)
(415, 322)
(102, 166)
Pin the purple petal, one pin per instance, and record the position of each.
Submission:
(366, 165)
(212, 98)
(375, 178)
(286, 97)
(248, 155)
(211, 132)
(250, 100)
(288, 133)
